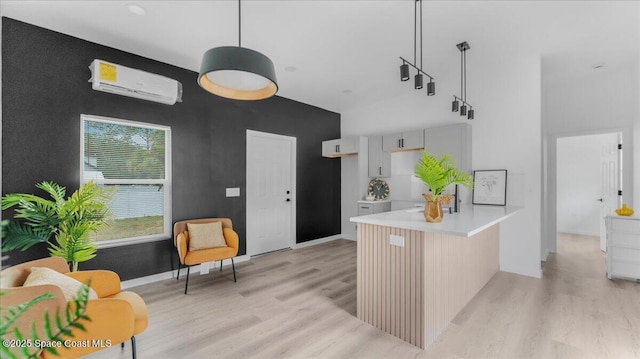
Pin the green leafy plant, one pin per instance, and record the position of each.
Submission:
(69, 220)
(438, 173)
(56, 331)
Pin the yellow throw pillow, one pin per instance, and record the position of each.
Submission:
(68, 285)
(205, 235)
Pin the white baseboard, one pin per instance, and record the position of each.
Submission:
(346, 236)
(172, 274)
(204, 269)
(314, 242)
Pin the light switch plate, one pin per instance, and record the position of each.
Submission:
(233, 192)
(396, 240)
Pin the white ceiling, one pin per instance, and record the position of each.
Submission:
(350, 45)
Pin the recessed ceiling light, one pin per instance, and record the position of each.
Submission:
(290, 69)
(599, 65)
(136, 9)
(347, 91)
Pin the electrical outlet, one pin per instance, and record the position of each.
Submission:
(396, 240)
(233, 192)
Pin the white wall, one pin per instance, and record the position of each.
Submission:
(504, 87)
(579, 183)
(602, 102)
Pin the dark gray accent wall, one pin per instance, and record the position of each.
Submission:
(45, 90)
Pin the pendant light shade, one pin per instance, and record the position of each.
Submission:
(455, 105)
(404, 72)
(431, 88)
(470, 114)
(463, 110)
(237, 73)
(418, 81)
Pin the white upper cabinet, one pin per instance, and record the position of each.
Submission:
(379, 160)
(403, 141)
(341, 147)
(452, 139)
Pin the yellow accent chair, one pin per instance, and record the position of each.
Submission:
(189, 258)
(115, 317)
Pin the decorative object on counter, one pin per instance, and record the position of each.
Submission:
(379, 189)
(438, 174)
(370, 197)
(237, 73)
(455, 106)
(404, 68)
(490, 187)
(624, 210)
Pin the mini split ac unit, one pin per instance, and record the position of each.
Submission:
(121, 80)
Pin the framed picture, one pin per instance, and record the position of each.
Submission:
(490, 187)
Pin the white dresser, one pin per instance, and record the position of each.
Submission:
(623, 247)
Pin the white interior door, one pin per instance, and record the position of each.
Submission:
(270, 192)
(611, 183)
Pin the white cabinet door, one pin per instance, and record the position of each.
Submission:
(330, 148)
(340, 147)
(454, 140)
(379, 160)
(412, 140)
(404, 141)
(391, 142)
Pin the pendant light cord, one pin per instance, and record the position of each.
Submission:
(415, 31)
(239, 25)
(420, 34)
(461, 76)
(464, 55)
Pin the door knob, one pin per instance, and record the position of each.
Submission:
(288, 199)
(600, 200)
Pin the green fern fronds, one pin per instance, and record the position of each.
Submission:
(53, 331)
(438, 173)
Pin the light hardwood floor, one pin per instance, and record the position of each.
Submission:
(301, 304)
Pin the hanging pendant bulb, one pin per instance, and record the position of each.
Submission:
(463, 110)
(404, 72)
(455, 105)
(470, 114)
(431, 88)
(418, 82)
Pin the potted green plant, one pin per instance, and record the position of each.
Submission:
(437, 174)
(69, 221)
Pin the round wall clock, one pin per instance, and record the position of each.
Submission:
(379, 189)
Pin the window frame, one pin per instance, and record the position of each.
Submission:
(166, 182)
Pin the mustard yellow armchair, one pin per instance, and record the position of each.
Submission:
(115, 317)
(189, 258)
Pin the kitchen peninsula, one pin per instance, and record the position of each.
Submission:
(413, 277)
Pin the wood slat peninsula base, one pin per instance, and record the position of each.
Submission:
(413, 292)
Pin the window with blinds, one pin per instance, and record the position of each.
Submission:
(133, 160)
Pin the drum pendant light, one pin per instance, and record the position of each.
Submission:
(236, 72)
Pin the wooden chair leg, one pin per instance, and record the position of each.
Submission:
(234, 269)
(221, 265)
(186, 285)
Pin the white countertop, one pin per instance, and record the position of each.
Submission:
(470, 220)
(378, 201)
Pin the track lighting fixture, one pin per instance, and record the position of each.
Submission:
(404, 68)
(404, 72)
(455, 105)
